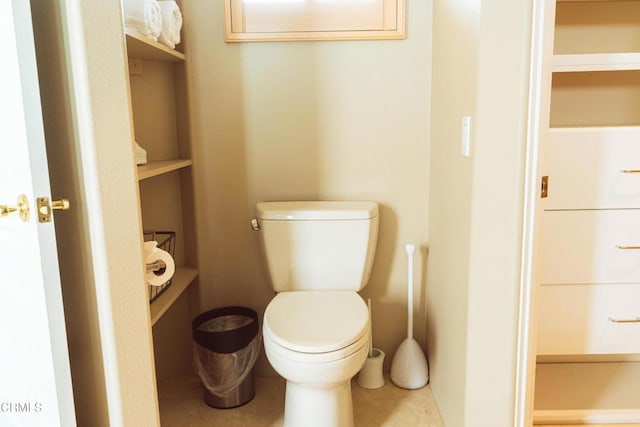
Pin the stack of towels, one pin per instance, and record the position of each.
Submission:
(157, 20)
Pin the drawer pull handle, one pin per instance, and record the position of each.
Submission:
(630, 171)
(630, 320)
(627, 248)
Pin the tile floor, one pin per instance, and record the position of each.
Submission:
(181, 405)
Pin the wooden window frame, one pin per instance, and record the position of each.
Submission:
(233, 10)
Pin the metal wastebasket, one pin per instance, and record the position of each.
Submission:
(226, 343)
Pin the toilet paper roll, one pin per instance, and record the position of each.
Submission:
(370, 375)
(154, 254)
(148, 248)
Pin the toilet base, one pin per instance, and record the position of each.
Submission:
(313, 406)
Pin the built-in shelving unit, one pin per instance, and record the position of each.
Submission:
(157, 81)
(160, 115)
(159, 72)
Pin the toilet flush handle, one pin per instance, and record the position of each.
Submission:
(255, 225)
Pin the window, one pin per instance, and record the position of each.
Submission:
(264, 20)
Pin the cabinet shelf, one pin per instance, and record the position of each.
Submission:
(182, 278)
(141, 47)
(608, 393)
(596, 62)
(162, 166)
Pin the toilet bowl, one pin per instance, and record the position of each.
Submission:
(317, 341)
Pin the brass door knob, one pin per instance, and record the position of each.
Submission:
(22, 208)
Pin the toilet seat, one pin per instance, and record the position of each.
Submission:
(320, 325)
(313, 358)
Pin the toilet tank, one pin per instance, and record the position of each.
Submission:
(311, 246)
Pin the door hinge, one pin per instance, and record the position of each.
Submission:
(544, 188)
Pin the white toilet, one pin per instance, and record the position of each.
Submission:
(316, 329)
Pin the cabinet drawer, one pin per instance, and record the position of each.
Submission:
(585, 168)
(577, 319)
(579, 247)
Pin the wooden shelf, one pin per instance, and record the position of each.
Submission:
(596, 62)
(141, 47)
(160, 167)
(182, 278)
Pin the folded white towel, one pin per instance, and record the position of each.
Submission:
(171, 23)
(143, 17)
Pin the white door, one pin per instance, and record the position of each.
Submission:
(35, 379)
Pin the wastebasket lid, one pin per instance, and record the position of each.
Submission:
(316, 321)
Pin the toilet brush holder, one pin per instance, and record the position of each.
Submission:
(370, 375)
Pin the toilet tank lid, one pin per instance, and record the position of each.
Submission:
(317, 210)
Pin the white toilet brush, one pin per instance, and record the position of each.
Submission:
(409, 367)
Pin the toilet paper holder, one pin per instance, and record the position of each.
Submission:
(167, 242)
(156, 266)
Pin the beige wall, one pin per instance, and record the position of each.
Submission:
(455, 49)
(305, 120)
(481, 52)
